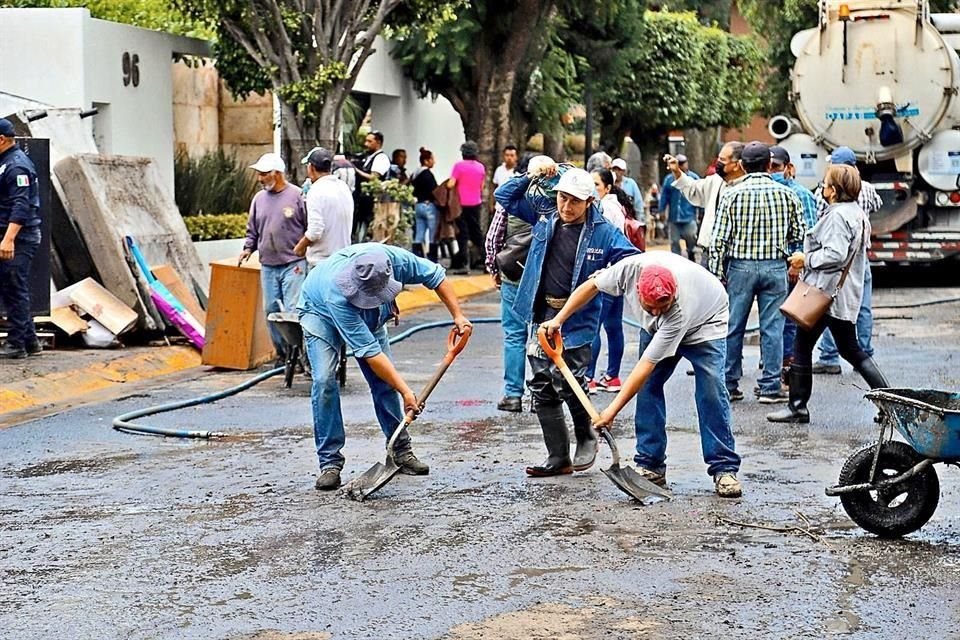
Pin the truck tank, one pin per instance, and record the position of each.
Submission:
(882, 77)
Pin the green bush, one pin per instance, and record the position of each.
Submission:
(212, 183)
(217, 227)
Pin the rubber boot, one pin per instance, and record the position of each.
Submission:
(801, 385)
(417, 249)
(432, 252)
(557, 440)
(871, 374)
(586, 453)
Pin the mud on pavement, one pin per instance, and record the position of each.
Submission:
(104, 535)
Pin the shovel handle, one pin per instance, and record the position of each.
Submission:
(456, 342)
(556, 354)
(553, 351)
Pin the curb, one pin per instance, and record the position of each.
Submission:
(44, 395)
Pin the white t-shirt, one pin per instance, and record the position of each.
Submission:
(502, 174)
(613, 211)
(700, 313)
(381, 164)
(329, 218)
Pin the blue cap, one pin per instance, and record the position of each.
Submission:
(6, 128)
(843, 155)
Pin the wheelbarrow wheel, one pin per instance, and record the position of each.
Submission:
(897, 510)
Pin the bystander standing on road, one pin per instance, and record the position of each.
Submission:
(19, 241)
(870, 201)
(758, 224)
(467, 177)
(329, 205)
(426, 214)
(681, 214)
(348, 300)
(683, 310)
(837, 243)
(630, 187)
(571, 240)
(705, 192)
(508, 168)
(276, 225)
(398, 166)
(375, 166)
(782, 171)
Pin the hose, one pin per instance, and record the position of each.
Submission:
(123, 422)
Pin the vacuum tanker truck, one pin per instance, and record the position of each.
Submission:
(882, 77)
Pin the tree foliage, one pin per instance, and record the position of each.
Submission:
(158, 15)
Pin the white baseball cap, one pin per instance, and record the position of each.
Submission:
(269, 162)
(577, 183)
(619, 163)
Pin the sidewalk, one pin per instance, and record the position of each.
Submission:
(62, 379)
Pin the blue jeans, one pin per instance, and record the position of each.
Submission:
(15, 287)
(328, 434)
(514, 342)
(828, 346)
(425, 223)
(688, 232)
(281, 285)
(713, 408)
(611, 321)
(789, 330)
(765, 281)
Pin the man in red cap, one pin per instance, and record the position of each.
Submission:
(684, 311)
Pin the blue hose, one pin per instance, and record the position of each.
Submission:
(122, 422)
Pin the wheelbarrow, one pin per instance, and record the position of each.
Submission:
(288, 324)
(625, 478)
(891, 488)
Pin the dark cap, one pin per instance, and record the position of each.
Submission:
(320, 158)
(754, 152)
(779, 155)
(6, 128)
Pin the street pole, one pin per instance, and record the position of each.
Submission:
(588, 128)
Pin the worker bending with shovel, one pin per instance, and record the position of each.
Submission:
(348, 298)
(683, 310)
(571, 240)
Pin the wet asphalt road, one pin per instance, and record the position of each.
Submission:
(105, 535)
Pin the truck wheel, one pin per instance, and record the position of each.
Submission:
(897, 510)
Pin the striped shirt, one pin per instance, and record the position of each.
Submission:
(756, 220)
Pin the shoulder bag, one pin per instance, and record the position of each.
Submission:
(513, 256)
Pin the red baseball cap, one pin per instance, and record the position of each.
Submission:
(656, 284)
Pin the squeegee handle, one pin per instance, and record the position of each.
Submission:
(556, 354)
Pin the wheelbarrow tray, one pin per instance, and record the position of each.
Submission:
(929, 420)
(288, 324)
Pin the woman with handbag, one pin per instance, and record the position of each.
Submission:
(833, 264)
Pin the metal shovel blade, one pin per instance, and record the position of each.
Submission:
(372, 479)
(628, 480)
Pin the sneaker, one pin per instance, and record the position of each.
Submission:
(735, 395)
(410, 465)
(775, 398)
(328, 480)
(726, 485)
(784, 390)
(657, 478)
(609, 384)
(824, 368)
(592, 387)
(513, 404)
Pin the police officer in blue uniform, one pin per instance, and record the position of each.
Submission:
(19, 242)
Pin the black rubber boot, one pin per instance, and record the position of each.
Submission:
(872, 375)
(586, 452)
(557, 440)
(417, 249)
(432, 252)
(801, 385)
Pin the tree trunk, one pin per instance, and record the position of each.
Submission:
(296, 140)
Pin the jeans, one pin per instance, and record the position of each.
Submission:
(281, 286)
(828, 346)
(765, 281)
(713, 408)
(15, 287)
(425, 223)
(514, 342)
(611, 321)
(846, 334)
(328, 434)
(688, 232)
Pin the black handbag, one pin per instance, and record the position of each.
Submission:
(513, 256)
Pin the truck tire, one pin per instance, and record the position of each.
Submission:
(895, 511)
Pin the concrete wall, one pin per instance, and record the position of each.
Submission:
(196, 108)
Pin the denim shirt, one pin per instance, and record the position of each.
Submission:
(321, 300)
(601, 245)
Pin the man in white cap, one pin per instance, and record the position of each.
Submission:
(630, 187)
(571, 241)
(276, 225)
(347, 300)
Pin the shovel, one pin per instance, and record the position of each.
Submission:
(626, 479)
(380, 474)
